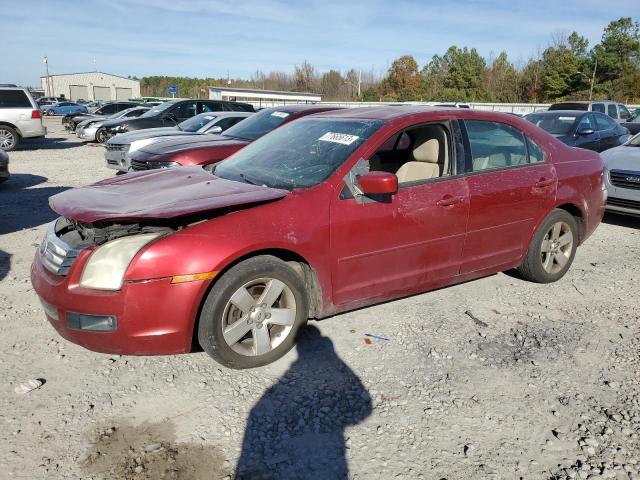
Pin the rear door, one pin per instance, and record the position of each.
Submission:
(511, 186)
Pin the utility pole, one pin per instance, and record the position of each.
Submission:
(46, 69)
(593, 79)
(359, 81)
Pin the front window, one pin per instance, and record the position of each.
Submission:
(159, 109)
(560, 125)
(195, 123)
(300, 154)
(258, 124)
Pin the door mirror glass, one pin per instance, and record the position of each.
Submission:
(216, 129)
(585, 131)
(378, 183)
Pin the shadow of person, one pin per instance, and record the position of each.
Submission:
(296, 430)
(5, 264)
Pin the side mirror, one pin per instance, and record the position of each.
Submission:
(378, 183)
(216, 129)
(585, 131)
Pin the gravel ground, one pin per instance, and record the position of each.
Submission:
(496, 378)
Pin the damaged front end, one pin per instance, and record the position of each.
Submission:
(114, 246)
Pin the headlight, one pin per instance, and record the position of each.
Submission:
(107, 265)
(166, 164)
(122, 128)
(138, 144)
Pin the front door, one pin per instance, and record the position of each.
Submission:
(511, 185)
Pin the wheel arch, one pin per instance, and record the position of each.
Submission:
(578, 214)
(11, 125)
(300, 264)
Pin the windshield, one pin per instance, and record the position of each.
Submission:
(157, 109)
(196, 123)
(635, 141)
(300, 154)
(257, 125)
(554, 124)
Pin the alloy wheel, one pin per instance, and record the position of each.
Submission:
(7, 139)
(259, 316)
(556, 248)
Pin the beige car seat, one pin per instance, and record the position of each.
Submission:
(430, 159)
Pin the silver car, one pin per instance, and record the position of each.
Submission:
(622, 177)
(89, 130)
(119, 148)
(4, 166)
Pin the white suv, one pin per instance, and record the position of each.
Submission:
(20, 117)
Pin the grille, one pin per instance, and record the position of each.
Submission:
(117, 147)
(138, 165)
(112, 162)
(57, 256)
(623, 202)
(625, 179)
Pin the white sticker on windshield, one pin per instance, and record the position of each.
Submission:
(280, 114)
(566, 119)
(342, 138)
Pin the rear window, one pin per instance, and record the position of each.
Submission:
(14, 99)
(242, 107)
(569, 106)
(555, 124)
(597, 107)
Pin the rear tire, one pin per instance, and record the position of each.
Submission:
(252, 315)
(552, 248)
(9, 138)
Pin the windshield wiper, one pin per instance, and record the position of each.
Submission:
(249, 180)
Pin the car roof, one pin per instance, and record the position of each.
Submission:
(386, 112)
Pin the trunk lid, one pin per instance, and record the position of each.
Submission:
(164, 193)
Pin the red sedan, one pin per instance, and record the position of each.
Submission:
(329, 213)
(205, 150)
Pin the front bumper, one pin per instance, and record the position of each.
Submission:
(622, 200)
(117, 159)
(88, 134)
(153, 317)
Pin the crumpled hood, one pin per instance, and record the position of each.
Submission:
(130, 137)
(622, 158)
(163, 193)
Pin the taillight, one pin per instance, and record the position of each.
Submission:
(35, 114)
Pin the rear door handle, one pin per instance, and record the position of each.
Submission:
(448, 201)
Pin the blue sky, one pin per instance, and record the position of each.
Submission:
(208, 38)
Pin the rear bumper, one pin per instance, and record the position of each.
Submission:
(32, 129)
(153, 317)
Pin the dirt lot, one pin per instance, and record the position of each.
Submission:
(496, 378)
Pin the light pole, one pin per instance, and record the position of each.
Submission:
(358, 86)
(46, 69)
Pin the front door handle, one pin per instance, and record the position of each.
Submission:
(448, 201)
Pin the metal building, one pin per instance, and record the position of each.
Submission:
(262, 98)
(90, 86)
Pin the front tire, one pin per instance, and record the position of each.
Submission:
(552, 248)
(101, 135)
(252, 315)
(9, 138)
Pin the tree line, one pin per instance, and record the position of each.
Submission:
(567, 69)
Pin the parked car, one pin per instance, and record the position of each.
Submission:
(43, 102)
(119, 147)
(92, 129)
(104, 110)
(617, 111)
(633, 124)
(169, 114)
(196, 150)
(328, 213)
(20, 117)
(4, 166)
(622, 177)
(64, 108)
(590, 130)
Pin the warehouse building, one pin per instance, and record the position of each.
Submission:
(90, 86)
(262, 98)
